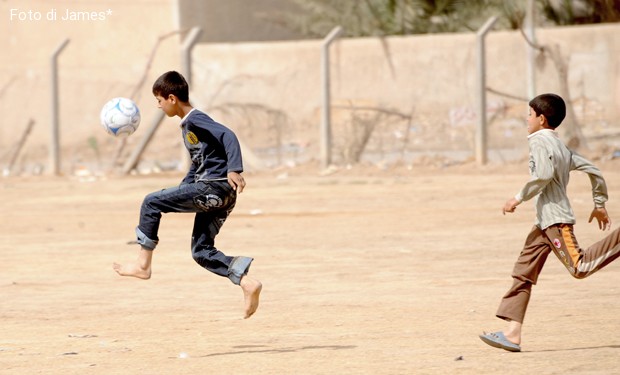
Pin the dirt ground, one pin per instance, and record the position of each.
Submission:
(364, 273)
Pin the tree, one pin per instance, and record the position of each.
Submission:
(384, 17)
(316, 18)
(573, 134)
(567, 12)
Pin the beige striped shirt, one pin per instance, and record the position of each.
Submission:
(550, 164)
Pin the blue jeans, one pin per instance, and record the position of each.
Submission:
(212, 202)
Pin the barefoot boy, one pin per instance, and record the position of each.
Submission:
(550, 164)
(209, 190)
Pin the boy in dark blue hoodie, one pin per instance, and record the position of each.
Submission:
(209, 190)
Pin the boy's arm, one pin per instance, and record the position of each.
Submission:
(599, 190)
(541, 172)
(235, 162)
(233, 152)
(599, 187)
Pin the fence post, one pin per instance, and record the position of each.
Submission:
(481, 131)
(325, 134)
(186, 53)
(186, 49)
(55, 133)
(186, 69)
(531, 52)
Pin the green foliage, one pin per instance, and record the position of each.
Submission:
(403, 17)
(567, 12)
(386, 17)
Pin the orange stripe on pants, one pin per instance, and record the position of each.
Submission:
(570, 245)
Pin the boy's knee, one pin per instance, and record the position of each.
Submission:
(203, 256)
(149, 199)
(197, 257)
(575, 273)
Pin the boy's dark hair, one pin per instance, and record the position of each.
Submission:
(172, 83)
(551, 106)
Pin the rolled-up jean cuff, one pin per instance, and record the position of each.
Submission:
(238, 268)
(144, 241)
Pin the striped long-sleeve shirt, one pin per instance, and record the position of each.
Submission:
(550, 164)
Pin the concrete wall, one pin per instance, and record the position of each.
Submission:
(407, 95)
(421, 90)
(106, 57)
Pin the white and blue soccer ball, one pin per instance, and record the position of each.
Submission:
(120, 117)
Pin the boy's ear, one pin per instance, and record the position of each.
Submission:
(173, 98)
(543, 120)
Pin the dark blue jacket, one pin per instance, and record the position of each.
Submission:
(214, 149)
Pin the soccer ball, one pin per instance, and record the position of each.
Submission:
(120, 117)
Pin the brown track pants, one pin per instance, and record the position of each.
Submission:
(561, 240)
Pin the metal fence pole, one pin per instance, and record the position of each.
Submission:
(133, 159)
(186, 69)
(481, 131)
(55, 132)
(186, 49)
(186, 52)
(531, 52)
(325, 134)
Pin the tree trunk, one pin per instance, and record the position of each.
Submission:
(573, 135)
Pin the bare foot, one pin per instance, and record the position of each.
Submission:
(513, 332)
(251, 292)
(132, 269)
(513, 338)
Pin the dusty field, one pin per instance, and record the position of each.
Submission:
(394, 273)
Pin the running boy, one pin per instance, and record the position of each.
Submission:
(550, 164)
(209, 190)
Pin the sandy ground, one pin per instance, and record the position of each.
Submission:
(392, 273)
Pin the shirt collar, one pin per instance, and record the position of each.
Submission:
(187, 115)
(541, 131)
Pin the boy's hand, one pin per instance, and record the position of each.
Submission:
(601, 216)
(236, 181)
(510, 206)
